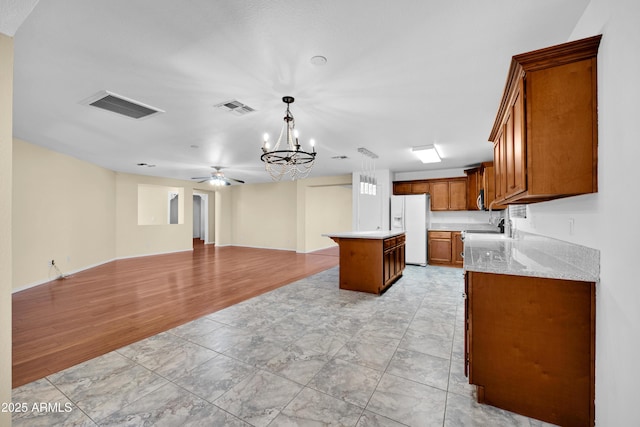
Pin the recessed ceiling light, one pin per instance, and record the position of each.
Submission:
(427, 153)
(318, 60)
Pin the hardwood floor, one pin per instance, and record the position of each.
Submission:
(65, 322)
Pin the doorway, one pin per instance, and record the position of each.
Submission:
(201, 218)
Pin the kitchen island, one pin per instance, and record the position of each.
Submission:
(370, 261)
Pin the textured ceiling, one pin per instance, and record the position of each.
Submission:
(399, 74)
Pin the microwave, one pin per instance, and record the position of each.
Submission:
(480, 201)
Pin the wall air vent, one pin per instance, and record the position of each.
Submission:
(235, 107)
(119, 104)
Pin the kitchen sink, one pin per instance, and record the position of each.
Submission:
(486, 236)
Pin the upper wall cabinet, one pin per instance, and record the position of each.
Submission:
(403, 188)
(449, 194)
(545, 134)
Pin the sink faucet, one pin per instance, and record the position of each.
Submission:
(491, 221)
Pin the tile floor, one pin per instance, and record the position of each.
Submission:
(307, 354)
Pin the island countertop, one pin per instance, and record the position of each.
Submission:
(378, 234)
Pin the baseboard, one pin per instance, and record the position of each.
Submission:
(88, 267)
(66, 274)
(155, 253)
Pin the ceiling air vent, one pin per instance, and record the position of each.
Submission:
(119, 104)
(236, 107)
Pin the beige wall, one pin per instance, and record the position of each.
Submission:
(223, 217)
(327, 210)
(82, 215)
(289, 215)
(63, 209)
(264, 215)
(137, 240)
(324, 205)
(6, 147)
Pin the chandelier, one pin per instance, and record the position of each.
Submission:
(290, 159)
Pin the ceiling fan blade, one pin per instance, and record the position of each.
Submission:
(202, 177)
(236, 180)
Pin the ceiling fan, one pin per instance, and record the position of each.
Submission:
(217, 178)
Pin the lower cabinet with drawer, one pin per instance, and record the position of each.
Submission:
(445, 248)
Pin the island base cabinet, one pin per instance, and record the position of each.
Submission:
(371, 265)
(530, 345)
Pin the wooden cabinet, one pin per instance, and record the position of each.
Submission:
(457, 247)
(439, 247)
(545, 132)
(394, 259)
(449, 194)
(489, 186)
(474, 185)
(368, 264)
(481, 178)
(530, 345)
(445, 248)
(403, 188)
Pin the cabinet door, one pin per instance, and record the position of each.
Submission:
(466, 323)
(419, 187)
(515, 157)
(440, 247)
(499, 167)
(474, 184)
(401, 188)
(439, 196)
(489, 184)
(458, 249)
(458, 195)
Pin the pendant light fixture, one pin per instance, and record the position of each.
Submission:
(290, 159)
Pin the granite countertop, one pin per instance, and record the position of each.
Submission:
(378, 234)
(530, 255)
(447, 226)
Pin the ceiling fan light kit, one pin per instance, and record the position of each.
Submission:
(290, 160)
(217, 178)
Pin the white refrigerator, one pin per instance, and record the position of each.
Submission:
(410, 214)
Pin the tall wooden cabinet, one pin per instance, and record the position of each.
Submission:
(545, 133)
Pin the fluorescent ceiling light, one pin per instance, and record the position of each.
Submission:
(427, 153)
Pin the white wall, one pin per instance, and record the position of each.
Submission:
(429, 174)
(372, 212)
(608, 220)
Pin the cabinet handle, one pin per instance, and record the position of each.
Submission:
(462, 255)
(464, 295)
